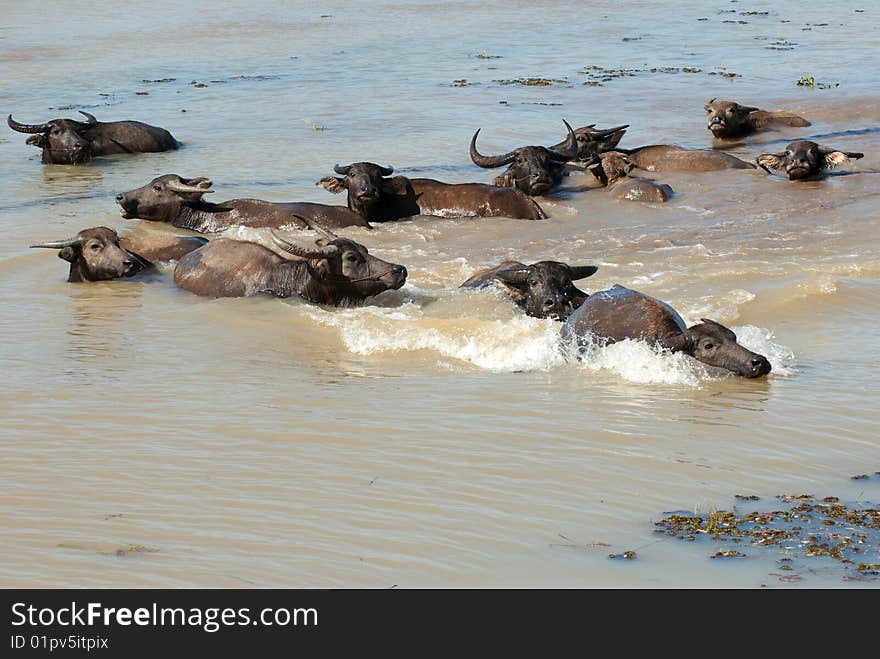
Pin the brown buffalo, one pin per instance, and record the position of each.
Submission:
(99, 253)
(69, 142)
(668, 158)
(728, 119)
(177, 200)
(376, 197)
(804, 159)
(621, 313)
(614, 172)
(332, 271)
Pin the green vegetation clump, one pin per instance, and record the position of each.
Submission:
(806, 528)
(813, 84)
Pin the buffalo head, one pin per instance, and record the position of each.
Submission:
(63, 141)
(95, 255)
(368, 186)
(714, 344)
(532, 169)
(162, 198)
(545, 288)
(805, 159)
(343, 265)
(727, 118)
(612, 167)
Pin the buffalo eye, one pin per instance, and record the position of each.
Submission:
(708, 345)
(95, 247)
(55, 131)
(533, 281)
(351, 257)
(157, 188)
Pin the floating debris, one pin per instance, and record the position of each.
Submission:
(160, 80)
(808, 528)
(460, 83)
(628, 555)
(747, 497)
(531, 82)
(484, 55)
(730, 553)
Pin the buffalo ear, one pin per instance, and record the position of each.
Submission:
(333, 184)
(514, 276)
(834, 158)
(708, 106)
(68, 254)
(768, 161)
(395, 186)
(745, 109)
(599, 172)
(199, 182)
(582, 271)
(39, 140)
(683, 342)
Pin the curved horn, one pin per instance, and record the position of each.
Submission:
(88, 116)
(203, 186)
(488, 162)
(598, 134)
(582, 271)
(570, 148)
(60, 244)
(514, 276)
(311, 224)
(339, 169)
(26, 128)
(325, 252)
(386, 171)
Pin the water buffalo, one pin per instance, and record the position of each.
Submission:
(543, 289)
(70, 142)
(668, 158)
(377, 198)
(533, 169)
(333, 271)
(613, 171)
(177, 200)
(592, 141)
(621, 313)
(727, 119)
(804, 159)
(99, 253)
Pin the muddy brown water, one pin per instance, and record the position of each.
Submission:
(436, 437)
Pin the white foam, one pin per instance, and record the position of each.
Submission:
(519, 343)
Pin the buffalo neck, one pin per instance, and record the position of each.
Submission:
(204, 217)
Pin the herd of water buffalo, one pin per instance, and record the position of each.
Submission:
(333, 269)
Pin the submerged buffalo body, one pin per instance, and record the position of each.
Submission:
(99, 253)
(543, 289)
(804, 160)
(533, 169)
(376, 197)
(332, 271)
(668, 158)
(177, 200)
(613, 171)
(728, 119)
(620, 313)
(70, 142)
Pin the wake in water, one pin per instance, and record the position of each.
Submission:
(492, 335)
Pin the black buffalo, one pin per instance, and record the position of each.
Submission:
(177, 200)
(377, 197)
(533, 169)
(332, 271)
(804, 159)
(543, 289)
(70, 142)
(592, 141)
(99, 253)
